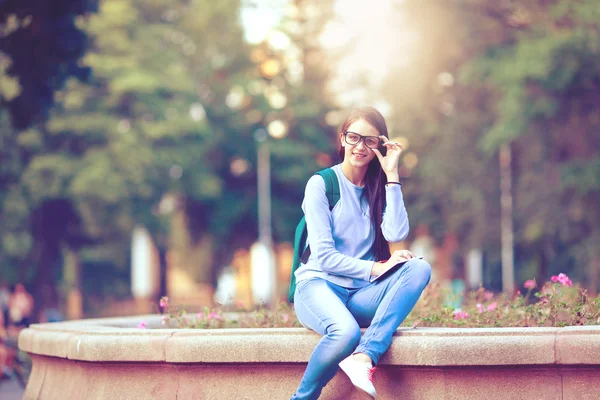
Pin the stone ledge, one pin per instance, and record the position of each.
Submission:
(117, 340)
(110, 358)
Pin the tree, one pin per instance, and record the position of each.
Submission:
(166, 121)
(518, 73)
(40, 47)
(43, 46)
(102, 159)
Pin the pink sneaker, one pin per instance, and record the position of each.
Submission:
(360, 374)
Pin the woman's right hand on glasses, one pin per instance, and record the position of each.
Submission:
(389, 162)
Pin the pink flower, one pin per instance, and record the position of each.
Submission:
(488, 295)
(214, 315)
(164, 319)
(142, 325)
(529, 284)
(461, 314)
(164, 302)
(200, 315)
(544, 300)
(568, 282)
(562, 279)
(492, 306)
(479, 307)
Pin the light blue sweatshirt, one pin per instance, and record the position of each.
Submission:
(341, 240)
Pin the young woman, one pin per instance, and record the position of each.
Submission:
(336, 293)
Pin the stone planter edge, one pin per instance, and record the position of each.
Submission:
(118, 340)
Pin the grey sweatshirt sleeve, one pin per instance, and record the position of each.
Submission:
(395, 218)
(320, 235)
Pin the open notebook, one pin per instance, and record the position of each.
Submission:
(390, 271)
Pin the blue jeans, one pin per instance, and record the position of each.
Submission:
(338, 313)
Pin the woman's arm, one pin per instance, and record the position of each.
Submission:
(320, 235)
(395, 218)
(394, 224)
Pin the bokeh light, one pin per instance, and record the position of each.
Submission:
(277, 129)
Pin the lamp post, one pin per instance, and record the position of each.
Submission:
(262, 269)
(506, 205)
(264, 187)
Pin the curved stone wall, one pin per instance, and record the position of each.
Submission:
(112, 359)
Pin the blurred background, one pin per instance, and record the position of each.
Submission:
(161, 147)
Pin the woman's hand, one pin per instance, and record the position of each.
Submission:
(389, 162)
(397, 257)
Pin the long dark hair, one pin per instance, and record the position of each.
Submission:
(375, 178)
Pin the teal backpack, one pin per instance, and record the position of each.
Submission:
(301, 250)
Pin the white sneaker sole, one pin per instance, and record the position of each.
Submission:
(364, 394)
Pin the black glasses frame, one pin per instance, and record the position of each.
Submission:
(379, 141)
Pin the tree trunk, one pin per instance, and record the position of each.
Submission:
(50, 226)
(162, 270)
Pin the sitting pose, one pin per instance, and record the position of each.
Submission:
(350, 279)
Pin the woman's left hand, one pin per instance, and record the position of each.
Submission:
(389, 162)
(402, 255)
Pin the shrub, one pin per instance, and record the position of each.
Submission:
(556, 303)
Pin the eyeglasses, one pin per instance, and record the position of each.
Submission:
(353, 138)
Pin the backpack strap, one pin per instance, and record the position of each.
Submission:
(332, 191)
(332, 186)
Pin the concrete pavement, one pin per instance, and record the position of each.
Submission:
(10, 390)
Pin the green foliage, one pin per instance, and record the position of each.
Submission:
(555, 304)
(525, 74)
(167, 122)
(531, 76)
(134, 123)
(174, 100)
(47, 33)
(281, 316)
(582, 175)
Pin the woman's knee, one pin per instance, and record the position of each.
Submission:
(421, 271)
(347, 334)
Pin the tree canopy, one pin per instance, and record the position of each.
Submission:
(524, 74)
(166, 121)
(128, 112)
(42, 45)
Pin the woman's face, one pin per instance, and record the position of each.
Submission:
(359, 155)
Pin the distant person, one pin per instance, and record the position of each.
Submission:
(4, 300)
(336, 293)
(4, 360)
(20, 306)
